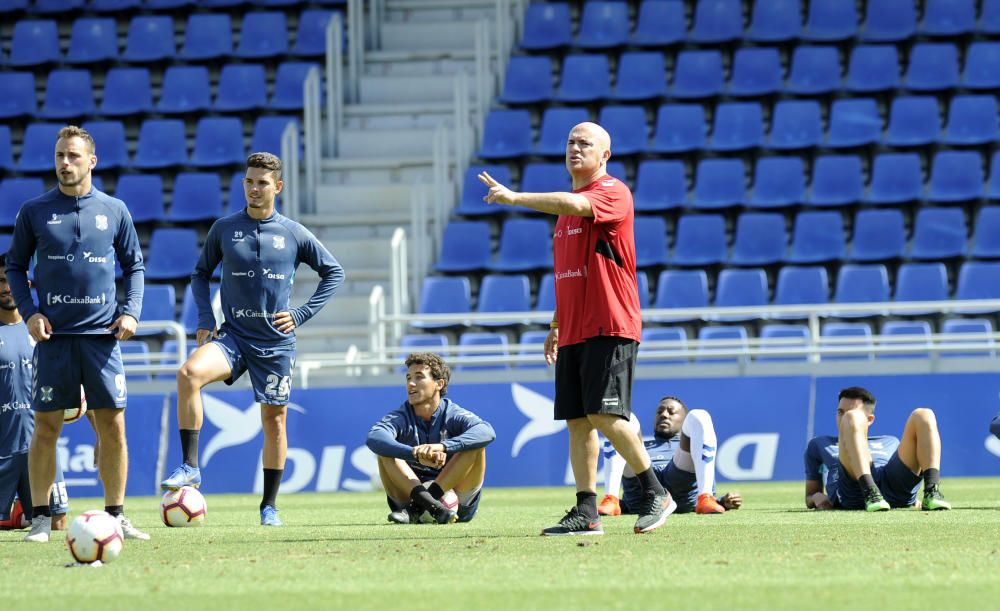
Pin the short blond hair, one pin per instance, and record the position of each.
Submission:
(265, 161)
(74, 131)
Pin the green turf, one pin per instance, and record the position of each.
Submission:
(338, 551)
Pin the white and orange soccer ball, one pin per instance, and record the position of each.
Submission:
(95, 535)
(183, 507)
(73, 414)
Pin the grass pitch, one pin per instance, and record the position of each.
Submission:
(338, 551)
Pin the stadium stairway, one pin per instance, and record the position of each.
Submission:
(406, 91)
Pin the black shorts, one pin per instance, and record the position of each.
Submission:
(595, 377)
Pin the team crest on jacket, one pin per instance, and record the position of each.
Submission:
(279, 242)
(102, 222)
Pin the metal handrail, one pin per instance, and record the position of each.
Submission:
(355, 48)
(312, 135)
(290, 156)
(335, 88)
(398, 276)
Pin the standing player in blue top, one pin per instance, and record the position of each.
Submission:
(430, 438)
(874, 473)
(75, 233)
(259, 250)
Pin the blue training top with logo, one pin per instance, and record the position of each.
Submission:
(259, 259)
(823, 456)
(457, 429)
(661, 450)
(76, 240)
(17, 421)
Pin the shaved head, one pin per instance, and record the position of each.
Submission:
(588, 149)
(600, 135)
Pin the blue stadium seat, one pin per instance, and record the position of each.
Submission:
(993, 187)
(933, 66)
(158, 303)
(236, 198)
(160, 5)
(982, 65)
(13, 193)
(775, 20)
(719, 183)
(172, 253)
(547, 26)
(741, 288)
(161, 144)
(796, 124)
(659, 23)
(939, 233)
(642, 287)
(478, 339)
(700, 240)
(714, 339)
(288, 82)
(423, 340)
(68, 93)
(760, 239)
(920, 330)
(738, 126)
(914, 121)
(507, 134)
(264, 34)
(801, 286)
(92, 39)
(972, 119)
(189, 313)
(717, 21)
(873, 68)
(546, 297)
(660, 184)
(782, 338)
(310, 38)
(948, 17)
(896, 177)
(836, 181)
(556, 125)
(830, 20)
(465, 247)
(603, 25)
(241, 87)
(35, 42)
(836, 335)
(879, 235)
(626, 126)
(267, 131)
(150, 38)
(854, 122)
(667, 355)
(989, 17)
(207, 36)
(679, 128)
(677, 288)
(642, 75)
(861, 284)
(185, 89)
(109, 141)
(6, 149)
(756, 72)
(969, 326)
(978, 280)
(584, 78)
(956, 176)
(499, 293)
(697, 74)
(889, 20)
(818, 237)
(113, 6)
(14, 6)
(544, 178)
(986, 239)
(135, 353)
(19, 97)
(536, 341)
(37, 150)
(528, 81)
(650, 241)
(922, 282)
(778, 181)
(143, 194)
(814, 70)
(197, 197)
(473, 190)
(444, 295)
(127, 91)
(218, 141)
(525, 245)
(617, 169)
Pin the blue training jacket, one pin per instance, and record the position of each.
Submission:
(76, 240)
(457, 429)
(17, 421)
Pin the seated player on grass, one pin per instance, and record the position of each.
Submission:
(688, 477)
(874, 473)
(430, 439)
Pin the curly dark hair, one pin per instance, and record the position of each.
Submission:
(439, 369)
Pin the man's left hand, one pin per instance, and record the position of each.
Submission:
(124, 327)
(431, 455)
(732, 500)
(284, 322)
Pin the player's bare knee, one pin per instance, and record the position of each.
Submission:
(924, 415)
(190, 377)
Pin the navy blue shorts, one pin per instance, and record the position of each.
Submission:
(467, 512)
(65, 362)
(270, 367)
(14, 482)
(898, 484)
(682, 485)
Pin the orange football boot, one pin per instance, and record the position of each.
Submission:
(708, 505)
(609, 506)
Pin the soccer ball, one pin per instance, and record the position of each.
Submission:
(75, 413)
(449, 500)
(183, 507)
(95, 535)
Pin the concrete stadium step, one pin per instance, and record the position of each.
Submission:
(407, 62)
(411, 88)
(326, 338)
(368, 143)
(415, 33)
(344, 309)
(420, 115)
(434, 10)
(377, 171)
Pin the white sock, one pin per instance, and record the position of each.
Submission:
(699, 429)
(614, 463)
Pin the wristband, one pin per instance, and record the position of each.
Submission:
(553, 325)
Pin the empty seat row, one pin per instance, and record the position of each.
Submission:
(605, 25)
(45, 7)
(150, 38)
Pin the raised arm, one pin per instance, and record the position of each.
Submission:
(559, 202)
